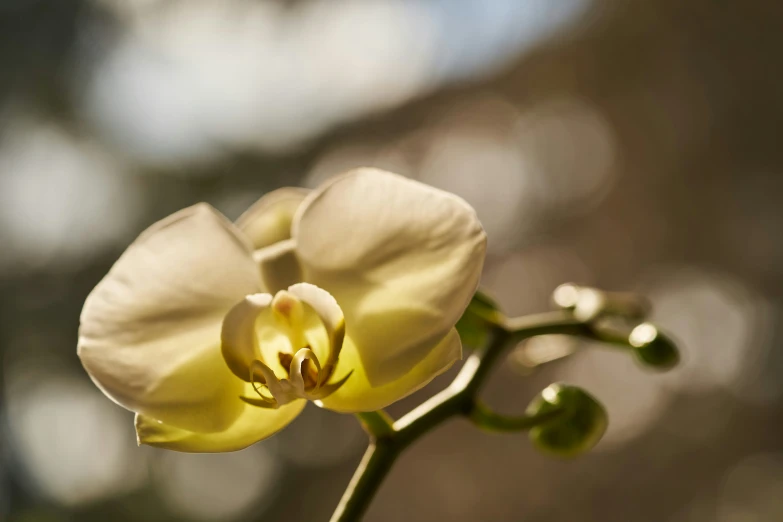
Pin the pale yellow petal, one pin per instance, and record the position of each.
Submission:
(323, 303)
(330, 314)
(279, 265)
(269, 219)
(239, 340)
(150, 331)
(401, 258)
(253, 331)
(359, 394)
(254, 424)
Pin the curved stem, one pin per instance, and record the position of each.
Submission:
(487, 419)
(458, 399)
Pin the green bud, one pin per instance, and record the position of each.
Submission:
(652, 348)
(579, 428)
(566, 296)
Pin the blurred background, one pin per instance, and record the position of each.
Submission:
(626, 144)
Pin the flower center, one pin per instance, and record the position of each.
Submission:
(309, 371)
(306, 380)
(288, 329)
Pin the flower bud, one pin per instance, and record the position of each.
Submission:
(653, 348)
(577, 430)
(588, 304)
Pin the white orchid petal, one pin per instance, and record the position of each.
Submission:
(279, 265)
(150, 330)
(329, 312)
(252, 425)
(269, 219)
(239, 341)
(401, 258)
(359, 394)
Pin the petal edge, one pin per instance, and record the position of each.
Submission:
(253, 425)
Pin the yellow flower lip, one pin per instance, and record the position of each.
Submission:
(263, 333)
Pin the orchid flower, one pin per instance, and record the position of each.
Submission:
(217, 333)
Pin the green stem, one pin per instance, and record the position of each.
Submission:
(487, 419)
(375, 465)
(458, 399)
(378, 424)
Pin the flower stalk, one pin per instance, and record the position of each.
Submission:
(387, 441)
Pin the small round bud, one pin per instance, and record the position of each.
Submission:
(566, 296)
(589, 304)
(585, 303)
(577, 430)
(652, 348)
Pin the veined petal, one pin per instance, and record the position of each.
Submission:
(269, 219)
(359, 394)
(150, 331)
(252, 425)
(403, 260)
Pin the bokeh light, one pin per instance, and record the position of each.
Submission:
(61, 196)
(722, 325)
(185, 79)
(751, 490)
(570, 148)
(75, 446)
(523, 282)
(497, 195)
(227, 486)
(319, 438)
(347, 157)
(634, 398)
